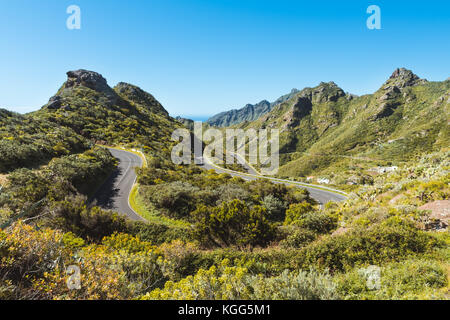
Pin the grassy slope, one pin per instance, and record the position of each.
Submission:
(355, 133)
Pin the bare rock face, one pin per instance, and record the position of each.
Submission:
(89, 79)
(324, 92)
(54, 102)
(403, 78)
(439, 217)
(390, 92)
(83, 80)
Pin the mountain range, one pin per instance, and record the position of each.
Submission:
(323, 129)
(206, 227)
(248, 113)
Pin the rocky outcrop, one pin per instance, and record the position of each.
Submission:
(390, 92)
(54, 102)
(439, 217)
(89, 79)
(324, 92)
(403, 78)
(188, 123)
(83, 87)
(82, 80)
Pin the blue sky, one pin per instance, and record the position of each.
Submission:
(200, 57)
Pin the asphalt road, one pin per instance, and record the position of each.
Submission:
(321, 196)
(114, 193)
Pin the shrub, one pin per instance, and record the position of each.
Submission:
(298, 238)
(276, 209)
(230, 192)
(391, 240)
(33, 265)
(410, 279)
(301, 285)
(180, 259)
(319, 222)
(297, 211)
(232, 223)
(157, 233)
(73, 215)
(176, 199)
(236, 283)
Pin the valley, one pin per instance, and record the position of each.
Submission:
(363, 181)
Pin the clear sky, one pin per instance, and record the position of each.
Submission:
(200, 57)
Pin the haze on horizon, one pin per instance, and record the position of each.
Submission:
(202, 57)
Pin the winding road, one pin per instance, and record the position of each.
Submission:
(321, 194)
(114, 194)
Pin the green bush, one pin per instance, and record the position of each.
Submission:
(236, 283)
(319, 222)
(157, 233)
(298, 238)
(297, 211)
(410, 279)
(391, 240)
(276, 209)
(176, 199)
(232, 223)
(94, 224)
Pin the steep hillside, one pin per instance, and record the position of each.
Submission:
(84, 111)
(208, 234)
(28, 141)
(249, 113)
(324, 130)
(125, 114)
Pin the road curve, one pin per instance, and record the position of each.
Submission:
(320, 195)
(114, 194)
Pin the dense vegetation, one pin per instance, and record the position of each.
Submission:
(30, 141)
(327, 133)
(209, 235)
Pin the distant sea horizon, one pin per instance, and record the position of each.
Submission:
(201, 118)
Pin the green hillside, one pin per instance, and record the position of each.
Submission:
(123, 114)
(325, 131)
(214, 236)
(84, 111)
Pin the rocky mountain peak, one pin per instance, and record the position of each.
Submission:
(324, 92)
(82, 79)
(403, 77)
(89, 79)
(403, 73)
